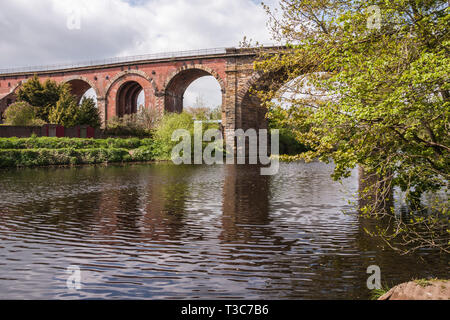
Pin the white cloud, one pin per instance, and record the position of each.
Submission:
(36, 33)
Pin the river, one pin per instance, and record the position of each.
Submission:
(161, 231)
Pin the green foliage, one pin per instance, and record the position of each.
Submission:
(65, 151)
(140, 124)
(22, 114)
(65, 112)
(172, 122)
(42, 96)
(204, 113)
(75, 143)
(378, 293)
(55, 103)
(289, 145)
(45, 157)
(380, 98)
(216, 113)
(169, 124)
(87, 114)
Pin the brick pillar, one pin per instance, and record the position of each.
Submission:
(101, 105)
(230, 100)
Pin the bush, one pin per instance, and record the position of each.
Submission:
(148, 118)
(44, 157)
(22, 114)
(65, 151)
(128, 125)
(169, 124)
(141, 124)
(64, 143)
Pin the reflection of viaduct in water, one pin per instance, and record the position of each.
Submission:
(165, 210)
(245, 203)
(152, 210)
(163, 79)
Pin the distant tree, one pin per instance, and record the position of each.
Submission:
(43, 96)
(22, 114)
(199, 113)
(216, 113)
(200, 102)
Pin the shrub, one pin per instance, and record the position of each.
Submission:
(140, 124)
(169, 124)
(22, 114)
(148, 118)
(75, 143)
(44, 157)
(126, 126)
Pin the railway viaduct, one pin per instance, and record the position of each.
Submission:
(164, 79)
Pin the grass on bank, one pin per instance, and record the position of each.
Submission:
(428, 282)
(44, 151)
(376, 294)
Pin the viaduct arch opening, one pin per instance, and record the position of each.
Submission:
(197, 79)
(130, 98)
(82, 88)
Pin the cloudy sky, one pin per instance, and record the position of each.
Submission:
(40, 32)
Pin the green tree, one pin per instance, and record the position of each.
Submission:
(380, 99)
(65, 112)
(22, 114)
(87, 114)
(43, 96)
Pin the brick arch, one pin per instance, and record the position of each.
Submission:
(250, 113)
(126, 73)
(196, 66)
(131, 81)
(179, 80)
(245, 89)
(83, 84)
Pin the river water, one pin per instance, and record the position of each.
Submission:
(161, 231)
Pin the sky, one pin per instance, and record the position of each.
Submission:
(60, 31)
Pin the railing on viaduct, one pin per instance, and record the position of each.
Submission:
(118, 60)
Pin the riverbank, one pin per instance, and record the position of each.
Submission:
(423, 289)
(43, 151)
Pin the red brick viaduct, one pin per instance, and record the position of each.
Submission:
(164, 81)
